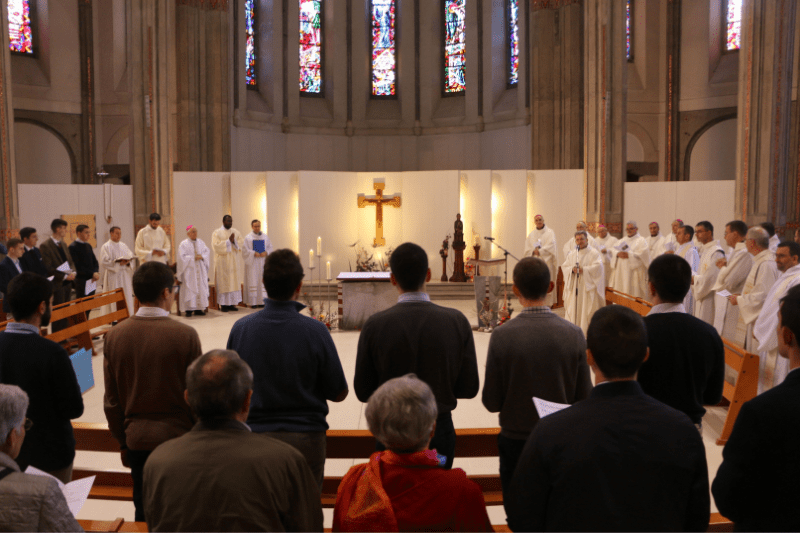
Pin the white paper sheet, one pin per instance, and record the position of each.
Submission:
(64, 267)
(724, 293)
(75, 492)
(622, 246)
(91, 285)
(50, 278)
(544, 408)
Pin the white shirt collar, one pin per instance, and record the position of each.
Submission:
(58, 243)
(151, 312)
(667, 308)
(80, 241)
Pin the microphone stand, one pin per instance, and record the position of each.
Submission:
(506, 253)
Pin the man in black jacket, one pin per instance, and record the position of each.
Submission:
(617, 461)
(419, 337)
(31, 260)
(757, 483)
(686, 367)
(86, 265)
(10, 267)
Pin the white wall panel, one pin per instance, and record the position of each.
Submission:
(557, 195)
(509, 213)
(283, 210)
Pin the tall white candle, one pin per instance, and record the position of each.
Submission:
(319, 245)
(328, 270)
(311, 259)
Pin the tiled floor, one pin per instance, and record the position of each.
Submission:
(349, 414)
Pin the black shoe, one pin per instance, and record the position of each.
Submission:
(223, 308)
(233, 308)
(201, 313)
(188, 314)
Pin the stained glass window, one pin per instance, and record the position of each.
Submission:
(628, 24)
(455, 45)
(733, 25)
(383, 48)
(250, 34)
(311, 46)
(20, 33)
(513, 42)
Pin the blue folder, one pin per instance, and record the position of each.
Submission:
(82, 363)
(258, 246)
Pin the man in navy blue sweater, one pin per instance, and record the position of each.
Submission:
(296, 368)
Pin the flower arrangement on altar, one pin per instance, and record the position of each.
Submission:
(371, 262)
(329, 318)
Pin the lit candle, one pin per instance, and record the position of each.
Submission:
(328, 270)
(311, 259)
(319, 245)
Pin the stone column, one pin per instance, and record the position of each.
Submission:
(557, 84)
(151, 25)
(606, 88)
(203, 80)
(9, 208)
(88, 129)
(672, 101)
(766, 65)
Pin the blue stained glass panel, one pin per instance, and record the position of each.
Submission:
(383, 48)
(311, 46)
(513, 42)
(455, 45)
(250, 35)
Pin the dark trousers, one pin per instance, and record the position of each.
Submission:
(59, 297)
(510, 451)
(137, 459)
(312, 445)
(443, 441)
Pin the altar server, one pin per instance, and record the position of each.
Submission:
(152, 243)
(228, 243)
(705, 277)
(571, 245)
(630, 259)
(688, 252)
(772, 369)
(605, 241)
(193, 264)
(257, 247)
(655, 241)
(115, 258)
(542, 243)
(760, 280)
(583, 273)
(734, 270)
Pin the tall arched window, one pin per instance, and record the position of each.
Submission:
(311, 47)
(733, 24)
(629, 29)
(455, 45)
(20, 30)
(383, 48)
(512, 12)
(250, 36)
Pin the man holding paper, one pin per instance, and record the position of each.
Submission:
(86, 265)
(257, 247)
(152, 243)
(541, 243)
(60, 267)
(116, 257)
(228, 243)
(630, 259)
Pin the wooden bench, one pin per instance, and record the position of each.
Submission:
(639, 305)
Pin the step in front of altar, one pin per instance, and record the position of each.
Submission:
(436, 289)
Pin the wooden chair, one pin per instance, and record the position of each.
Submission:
(746, 366)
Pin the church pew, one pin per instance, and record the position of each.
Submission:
(639, 305)
(76, 312)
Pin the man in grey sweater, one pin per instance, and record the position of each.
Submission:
(537, 354)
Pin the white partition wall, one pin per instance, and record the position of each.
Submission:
(558, 196)
(283, 210)
(509, 214)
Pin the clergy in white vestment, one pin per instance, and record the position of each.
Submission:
(228, 243)
(705, 277)
(688, 252)
(605, 242)
(541, 243)
(734, 269)
(115, 258)
(760, 280)
(671, 240)
(774, 240)
(655, 241)
(152, 243)
(630, 258)
(772, 369)
(193, 264)
(584, 282)
(257, 247)
(570, 245)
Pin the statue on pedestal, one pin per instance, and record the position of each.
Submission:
(458, 248)
(443, 253)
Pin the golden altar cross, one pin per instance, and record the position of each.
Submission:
(379, 201)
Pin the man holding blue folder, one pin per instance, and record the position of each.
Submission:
(257, 247)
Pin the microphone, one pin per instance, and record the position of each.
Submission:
(489, 238)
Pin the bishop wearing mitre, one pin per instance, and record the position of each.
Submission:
(630, 259)
(152, 243)
(541, 243)
(192, 272)
(115, 258)
(584, 282)
(257, 247)
(228, 243)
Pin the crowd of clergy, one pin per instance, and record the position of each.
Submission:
(737, 281)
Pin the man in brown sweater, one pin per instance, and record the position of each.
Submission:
(145, 364)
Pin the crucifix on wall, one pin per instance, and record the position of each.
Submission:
(379, 201)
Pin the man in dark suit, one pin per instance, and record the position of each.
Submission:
(416, 336)
(686, 367)
(55, 253)
(10, 268)
(86, 265)
(617, 461)
(757, 484)
(31, 260)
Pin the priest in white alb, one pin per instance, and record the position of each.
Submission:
(604, 242)
(115, 258)
(734, 269)
(193, 263)
(152, 243)
(584, 282)
(228, 244)
(630, 258)
(541, 243)
(671, 240)
(655, 241)
(760, 280)
(772, 368)
(705, 277)
(688, 252)
(570, 245)
(257, 247)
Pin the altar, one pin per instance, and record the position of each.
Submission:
(363, 294)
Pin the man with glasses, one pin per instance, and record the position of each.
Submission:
(705, 277)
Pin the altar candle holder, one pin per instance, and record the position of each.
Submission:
(319, 262)
(311, 299)
(327, 297)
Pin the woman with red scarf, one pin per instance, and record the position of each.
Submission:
(405, 488)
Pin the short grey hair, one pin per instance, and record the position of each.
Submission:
(582, 232)
(583, 223)
(401, 413)
(217, 383)
(759, 235)
(13, 406)
(632, 223)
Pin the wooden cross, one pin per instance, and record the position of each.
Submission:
(379, 201)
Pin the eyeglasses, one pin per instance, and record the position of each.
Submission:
(28, 424)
